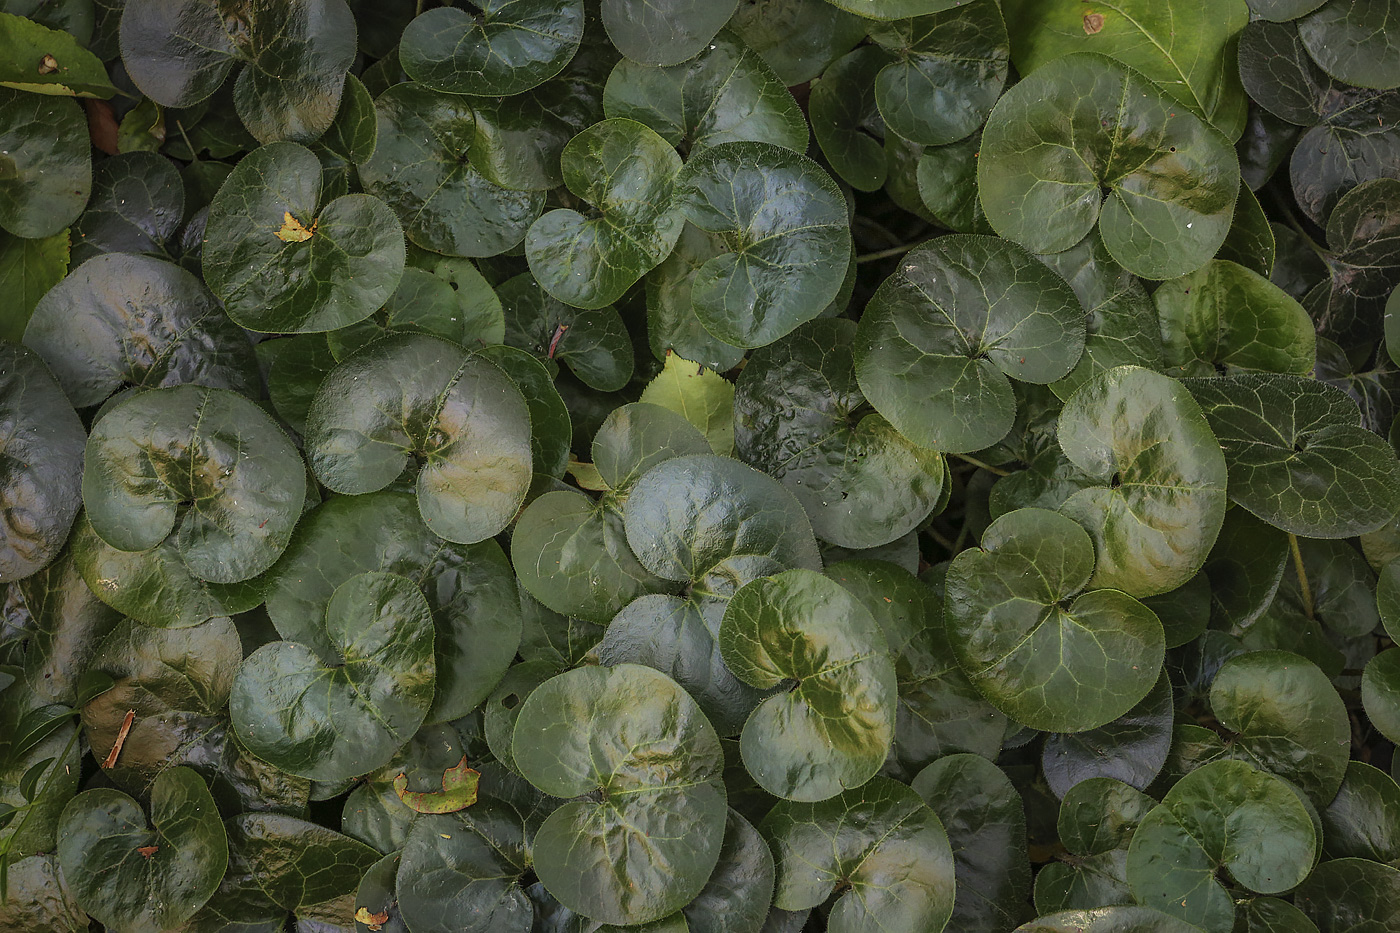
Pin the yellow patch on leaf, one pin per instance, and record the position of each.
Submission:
(292, 230)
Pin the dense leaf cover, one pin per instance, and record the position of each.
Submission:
(699, 466)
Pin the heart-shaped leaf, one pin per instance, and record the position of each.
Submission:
(948, 71)
(1363, 820)
(645, 830)
(137, 204)
(475, 606)
(122, 320)
(1042, 659)
(1226, 317)
(831, 725)
(297, 54)
(942, 338)
(1158, 497)
(1096, 822)
(800, 417)
(785, 224)
(205, 464)
(45, 163)
(419, 169)
(1351, 42)
(1132, 748)
(137, 877)
(593, 344)
(507, 47)
(458, 416)
(331, 718)
(1225, 815)
(281, 261)
(1158, 182)
(626, 172)
(41, 485)
(725, 94)
(1346, 893)
(846, 118)
(879, 848)
(664, 32)
(1298, 456)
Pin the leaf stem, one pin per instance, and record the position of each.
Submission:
(982, 466)
(1303, 587)
(890, 253)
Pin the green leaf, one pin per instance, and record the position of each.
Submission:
(831, 724)
(331, 718)
(701, 396)
(879, 848)
(664, 32)
(28, 269)
(725, 94)
(48, 61)
(717, 524)
(417, 397)
(1183, 46)
(469, 588)
(672, 326)
(625, 172)
(452, 301)
(986, 824)
(846, 119)
(33, 730)
(419, 169)
(354, 134)
(1351, 42)
(507, 47)
(801, 418)
(642, 761)
(1226, 317)
(1286, 718)
(1349, 894)
(593, 344)
(281, 261)
(785, 224)
(41, 481)
(38, 897)
(137, 204)
(123, 320)
(297, 54)
(1118, 919)
(1158, 497)
(797, 38)
(739, 893)
(1158, 182)
(68, 624)
(943, 337)
(1224, 815)
(295, 368)
(1040, 658)
(299, 866)
(948, 71)
(204, 464)
(1363, 231)
(1298, 456)
(947, 182)
(1132, 748)
(551, 432)
(45, 163)
(1270, 915)
(105, 848)
(893, 9)
(1363, 820)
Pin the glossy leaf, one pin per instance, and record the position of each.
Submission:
(507, 47)
(137, 203)
(1351, 43)
(1132, 748)
(1116, 919)
(1344, 894)
(1363, 820)
(45, 163)
(1158, 182)
(593, 344)
(664, 32)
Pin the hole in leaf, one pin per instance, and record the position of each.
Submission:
(1115, 481)
(511, 701)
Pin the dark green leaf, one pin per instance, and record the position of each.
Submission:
(664, 32)
(45, 163)
(1131, 748)
(846, 119)
(593, 344)
(28, 269)
(69, 622)
(673, 329)
(137, 204)
(38, 897)
(1351, 42)
(1363, 820)
(797, 38)
(505, 47)
(299, 866)
(1352, 894)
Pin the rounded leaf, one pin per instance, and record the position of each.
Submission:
(1125, 919)
(1352, 42)
(328, 719)
(664, 32)
(1158, 181)
(1380, 693)
(507, 47)
(45, 163)
(594, 344)
(1363, 820)
(460, 874)
(1351, 894)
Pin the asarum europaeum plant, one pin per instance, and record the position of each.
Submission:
(699, 466)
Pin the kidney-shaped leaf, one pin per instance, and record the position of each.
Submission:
(664, 32)
(420, 169)
(208, 465)
(1354, 41)
(788, 232)
(139, 877)
(282, 262)
(879, 848)
(178, 53)
(1043, 652)
(1298, 456)
(457, 415)
(1224, 815)
(644, 832)
(1158, 498)
(1084, 140)
(942, 338)
(626, 172)
(801, 418)
(41, 477)
(507, 47)
(332, 718)
(121, 320)
(831, 726)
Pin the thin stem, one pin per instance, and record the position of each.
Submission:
(194, 156)
(983, 466)
(890, 253)
(1303, 587)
